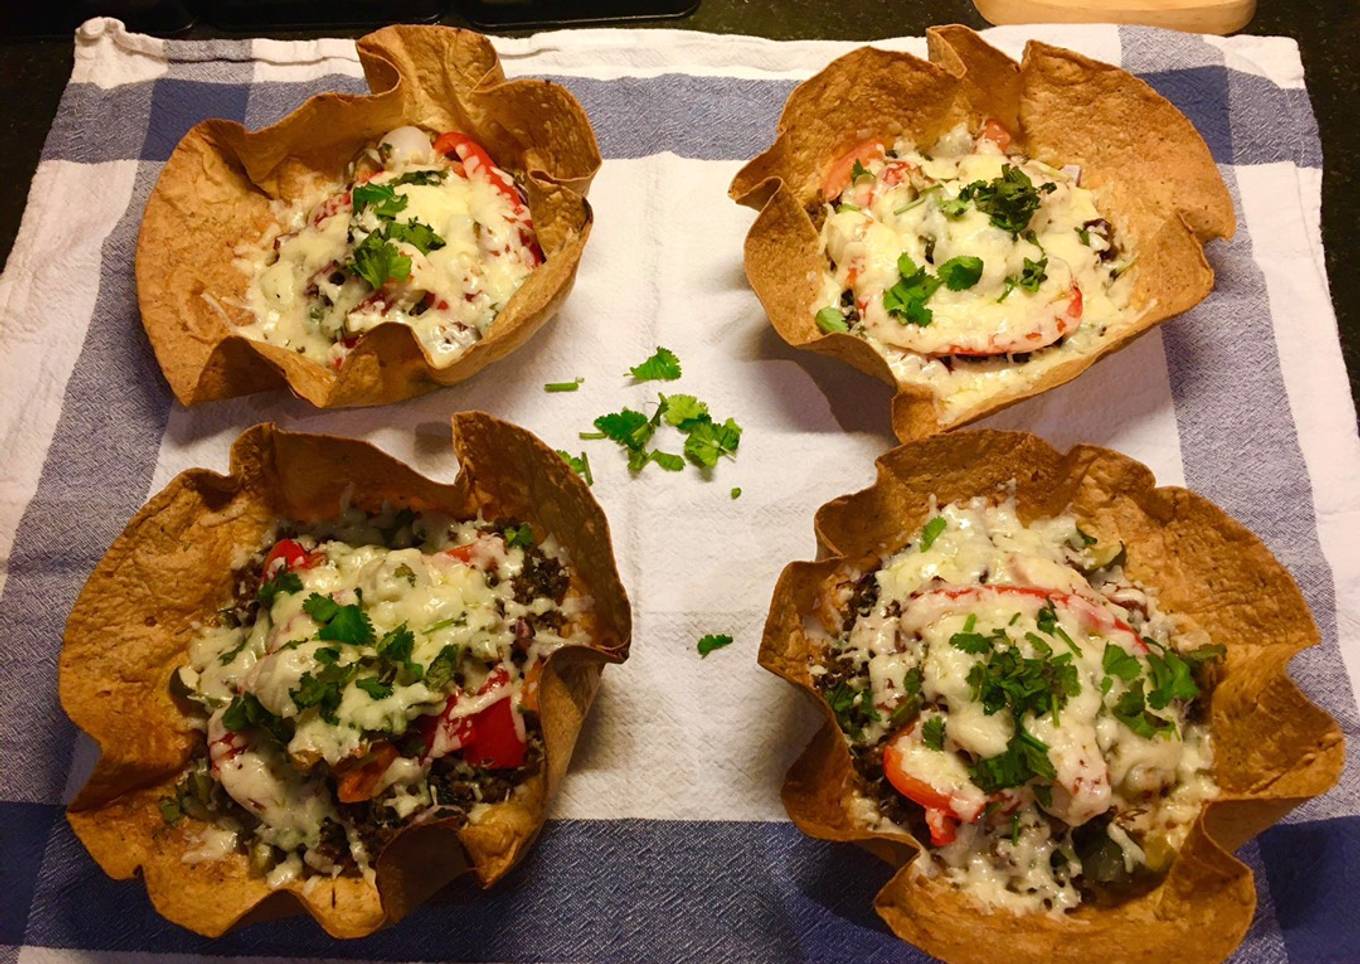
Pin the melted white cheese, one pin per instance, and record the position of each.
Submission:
(304, 296)
(979, 582)
(911, 205)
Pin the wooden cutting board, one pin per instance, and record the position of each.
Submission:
(1198, 16)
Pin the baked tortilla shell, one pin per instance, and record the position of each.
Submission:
(172, 567)
(1153, 176)
(215, 192)
(1273, 748)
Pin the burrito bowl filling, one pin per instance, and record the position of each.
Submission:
(426, 232)
(1008, 693)
(969, 268)
(369, 674)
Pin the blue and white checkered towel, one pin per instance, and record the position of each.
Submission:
(669, 841)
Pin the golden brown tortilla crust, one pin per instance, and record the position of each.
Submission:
(1152, 174)
(1273, 748)
(171, 569)
(215, 191)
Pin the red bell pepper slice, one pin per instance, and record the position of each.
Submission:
(488, 738)
(837, 176)
(994, 132)
(939, 808)
(457, 144)
(288, 554)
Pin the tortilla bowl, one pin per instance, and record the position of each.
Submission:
(1150, 170)
(1274, 748)
(216, 189)
(172, 566)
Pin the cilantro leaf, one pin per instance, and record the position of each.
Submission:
(1025, 757)
(684, 411)
(1205, 654)
(395, 648)
(374, 687)
(663, 366)
(520, 536)
(708, 442)
(854, 708)
(906, 300)
(327, 655)
(441, 669)
(404, 571)
(316, 691)
(932, 531)
(961, 272)
(246, 712)
(377, 261)
(954, 208)
(419, 178)
(830, 320)
(580, 465)
(350, 624)
(669, 462)
(1171, 680)
(1117, 662)
(713, 641)
(415, 233)
(283, 582)
(1131, 710)
(1009, 200)
(972, 643)
(570, 386)
(170, 810)
(736, 492)
(229, 657)
(932, 733)
(629, 428)
(321, 608)
(386, 202)
(1030, 278)
(857, 171)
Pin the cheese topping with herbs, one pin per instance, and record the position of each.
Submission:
(1042, 713)
(428, 234)
(959, 263)
(370, 673)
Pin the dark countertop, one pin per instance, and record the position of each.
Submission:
(33, 73)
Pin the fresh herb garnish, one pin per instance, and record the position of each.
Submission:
(906, 300)
(932, 733)
(831, 320)
(960, 273)
(1131, 710)
(854, 708)
(663, 366)
(1030, 278)
(419, 178)
(377, 261)
(667, 460)
(374, 687)
(932, 531)
(708, 442)
(415, 233)
(683, 411)
(348, 624)
(570, 386)
(1025, 757)
(283, 582)
(954, 208)
(520, 536)
(246, 712)
(1009, 200)
(1117, 662)
(736, 492)
(441, 669)
(384, 199)
(713, 641)
(579, 464)
(320, 608)
(404, 571)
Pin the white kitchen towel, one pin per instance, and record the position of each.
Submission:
(668, 841)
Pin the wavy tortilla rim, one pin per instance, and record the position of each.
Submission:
(216, 189)
(171, 566)
(1274, 748)
(1152, 173)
